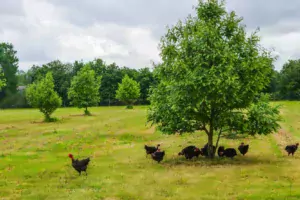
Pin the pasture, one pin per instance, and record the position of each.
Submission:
(34, 161)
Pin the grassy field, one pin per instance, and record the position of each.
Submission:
(34, 161)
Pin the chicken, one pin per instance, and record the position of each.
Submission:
(158, 155)
(221, 150)
(150, 150)
(190, 151)
(243, 148)
(80, 165)
(229, 152)
(291, 149)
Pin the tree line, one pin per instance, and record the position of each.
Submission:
(284, 84)
(62, 73)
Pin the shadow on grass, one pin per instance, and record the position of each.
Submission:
(83, 115)
(233, 136)
(217, 161)
(50, 121)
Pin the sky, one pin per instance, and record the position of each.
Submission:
(128, 32)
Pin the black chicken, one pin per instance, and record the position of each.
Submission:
(291, 149)
(190, 151)
(151, 149)
(80, 165)
(229, 152)
(243, 148)
(221, 150)
(158, 155)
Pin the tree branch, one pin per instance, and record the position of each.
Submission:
(203, 128)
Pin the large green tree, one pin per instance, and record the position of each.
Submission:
(210, 72)
(9, 65)
(84, 90)
(128, 91)
(41, 95)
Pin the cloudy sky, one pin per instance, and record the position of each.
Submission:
(128, 31)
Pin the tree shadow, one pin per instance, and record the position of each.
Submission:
(83, 115)
(233, 136)
(217, 161)
(52, 120)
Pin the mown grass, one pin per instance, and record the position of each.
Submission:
(34, 161)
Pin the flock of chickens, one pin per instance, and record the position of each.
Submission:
(192, 151)
(189, 152)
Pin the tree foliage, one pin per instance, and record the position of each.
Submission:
(146, 80)
(128, 91)
(41, 95)
(290, 80)
(262, 118)
(210, 71)
(2, 80)
(84, 90)
(9, 65)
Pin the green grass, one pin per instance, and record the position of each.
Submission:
(34, 161)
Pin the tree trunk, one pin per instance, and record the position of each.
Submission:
(86, 112)
(219, 135)
(47, 117)
(210, 134)
(210, 149)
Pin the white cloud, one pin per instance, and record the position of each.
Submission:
(127, 32)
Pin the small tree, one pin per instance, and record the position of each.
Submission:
(128, 91)
(210, 73)
(41, 95)
(84, 90)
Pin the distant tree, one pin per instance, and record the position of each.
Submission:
(289, 84)
(9, 65)
(146, 80)
(2, 79)
(111, 76)
(84, 90)
(62, 78)
(132, 73)
(210, 75)
(41, 95)
(62, 74)
(23, 78)
(128, 91)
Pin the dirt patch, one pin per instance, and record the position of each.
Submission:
(8, 127)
